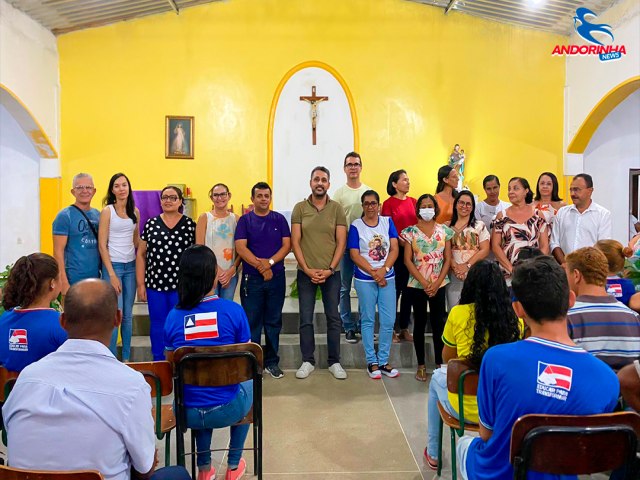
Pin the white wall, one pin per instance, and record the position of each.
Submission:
(29, 67)
(293, 153)
(613, 150)
(19, 192)
(589, 79)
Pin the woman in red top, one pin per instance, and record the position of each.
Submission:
(402, 210)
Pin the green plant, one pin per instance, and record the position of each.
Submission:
(4, 276)
(632, 271)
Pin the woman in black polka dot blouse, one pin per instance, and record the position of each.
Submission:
(164, 239)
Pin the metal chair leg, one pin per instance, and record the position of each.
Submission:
(193, 455)
(256, 466)
(454, 466)
(440, 428)
(167, 449)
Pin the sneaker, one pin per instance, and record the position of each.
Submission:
(432, 463)
(389, 371)
(350, 336)
(207, 474)
(275, 371)
(337, 371)
(238, 472)
(374, 371)
(305, 370)
(405, 336)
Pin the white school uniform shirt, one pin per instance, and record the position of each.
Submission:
(487, 213)
(573, 230)
(80, 408)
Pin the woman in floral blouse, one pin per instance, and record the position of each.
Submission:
(427, 255)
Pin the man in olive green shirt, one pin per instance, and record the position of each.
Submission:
(318, 240)
(350, 197)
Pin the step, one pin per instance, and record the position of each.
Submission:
(401, 355)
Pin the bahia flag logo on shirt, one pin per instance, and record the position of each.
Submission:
(18, 340)
(554, 380)
(201, 326)
(615, 289)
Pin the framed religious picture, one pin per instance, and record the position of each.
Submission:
(179, 137)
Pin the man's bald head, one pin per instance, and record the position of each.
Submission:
(91, 309)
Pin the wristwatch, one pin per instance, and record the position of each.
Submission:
(333, 270)
(387, 269)
(271, 262)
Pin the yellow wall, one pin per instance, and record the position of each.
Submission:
(421, 82)
(50, 195)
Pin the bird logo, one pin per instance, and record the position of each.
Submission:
(586, 29)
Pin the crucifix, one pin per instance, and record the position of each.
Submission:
(314, 101)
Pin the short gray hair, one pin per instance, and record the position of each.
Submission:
(79, 176)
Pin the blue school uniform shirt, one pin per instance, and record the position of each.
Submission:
(621, 288)
(534, 376)
(373, 243)
(81, 255)
(28, 335)
(214, 321)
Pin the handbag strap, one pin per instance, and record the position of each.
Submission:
(93, 229)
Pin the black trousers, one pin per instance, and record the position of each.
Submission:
(437, 316)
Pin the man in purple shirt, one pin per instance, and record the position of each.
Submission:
(263, 239)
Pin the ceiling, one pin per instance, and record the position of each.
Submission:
(62, 16)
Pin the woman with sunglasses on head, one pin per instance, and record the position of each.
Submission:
(373, 246)
(216, 230)
(29, 328)
(118, 238)
(162, 242)
(427, 255)
(469, 244)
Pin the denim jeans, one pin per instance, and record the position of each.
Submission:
(126, 273)
(346, 274)
(262, 302)
(307, 300)
(202, 420)
(437, 393)
(371, 294)
(228, 292)
(160, 304)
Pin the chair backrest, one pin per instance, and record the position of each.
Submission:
(8, 473)
(7, 380)
(152, 371)
(461, 376)
(217, 366)
(574, 445)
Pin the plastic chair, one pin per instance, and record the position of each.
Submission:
(575, 445)
(216, 367)
(159, 376)
(8, 473)
(461, 380)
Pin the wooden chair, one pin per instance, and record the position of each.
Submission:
(7, 381)
(159, 376)
(216, 367)
(8, 473)
(575, 445)
(461, 380)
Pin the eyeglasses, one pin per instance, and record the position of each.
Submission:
(80, 188)
(220, 195)
(352, 165)
(369, 204)
(169, 198)
(465, 204)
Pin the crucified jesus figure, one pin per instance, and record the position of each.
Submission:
(313, 100)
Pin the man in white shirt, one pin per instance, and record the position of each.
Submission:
(581, 224)
(79, 407)
(349, 196)
(487, 209)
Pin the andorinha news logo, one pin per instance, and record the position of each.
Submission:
(595, 34)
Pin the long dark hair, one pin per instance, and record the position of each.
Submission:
(472, 216)
(393, 178)
(486, 289)
(443, 172)
(436, 207)
(554, 190)
(110, 198)
(197, 273)
(29, 278)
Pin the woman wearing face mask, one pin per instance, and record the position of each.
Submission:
(427, 255)
(446, 192)
(517, 227)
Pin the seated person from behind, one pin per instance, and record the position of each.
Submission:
(202, 319)
(483, 318)
(621, 288)
(629, 377)
(598, 322)
(80, 408)
(29, 328)
(545, 374)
